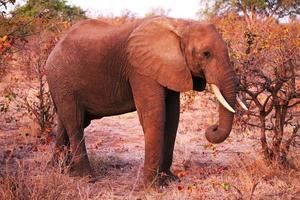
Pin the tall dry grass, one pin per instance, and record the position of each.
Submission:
(246, 177)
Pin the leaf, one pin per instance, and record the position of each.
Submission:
(210, 146)
(49, 139)
(4, 38)
(226, 186)
(191, 187)
(6, 44)
(182, 174)
(180, 187)
(10, 96)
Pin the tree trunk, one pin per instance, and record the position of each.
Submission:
(263, 141)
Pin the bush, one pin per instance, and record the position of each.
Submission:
(265, 58)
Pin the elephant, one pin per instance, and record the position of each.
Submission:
(98, 70)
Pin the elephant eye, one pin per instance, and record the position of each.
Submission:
(206, 54)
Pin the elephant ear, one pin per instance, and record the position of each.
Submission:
(154, 50)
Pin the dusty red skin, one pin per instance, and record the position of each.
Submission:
(100, 70)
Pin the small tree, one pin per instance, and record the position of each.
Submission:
(34, 17)
(56, 9)
(252, 10)
(27, 35)
(266, 56)
(36, 100)
(158, 11)
(268, 75)
(40, 107)
(126, 16)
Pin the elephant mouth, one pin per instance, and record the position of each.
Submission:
(199, 83)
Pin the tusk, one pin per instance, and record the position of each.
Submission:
(220, 98)
(241, 103)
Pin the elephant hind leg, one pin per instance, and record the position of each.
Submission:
(61, 155)
(72, 118)
(62, 138)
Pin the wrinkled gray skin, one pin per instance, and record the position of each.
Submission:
(100, 70)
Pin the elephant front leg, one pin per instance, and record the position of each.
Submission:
(154, 140)
(149, 99)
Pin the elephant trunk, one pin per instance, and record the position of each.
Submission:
(218, 133)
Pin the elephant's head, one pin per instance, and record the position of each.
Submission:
(184, 55)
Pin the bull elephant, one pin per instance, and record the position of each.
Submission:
(98, 70)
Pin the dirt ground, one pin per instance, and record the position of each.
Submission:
(231, 170)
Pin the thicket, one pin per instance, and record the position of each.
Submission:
(264, 47)
(27, 35)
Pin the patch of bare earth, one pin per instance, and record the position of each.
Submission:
(231, 170)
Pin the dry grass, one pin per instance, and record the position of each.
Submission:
(207, 172)
(252, 179)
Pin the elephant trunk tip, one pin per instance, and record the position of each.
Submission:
(216, 135)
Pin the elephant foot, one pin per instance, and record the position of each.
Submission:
(161, 180)
(81, 168)
(171, 177)
(166, 177)
(83, 172)
(87, 173)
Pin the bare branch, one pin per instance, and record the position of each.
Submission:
(294, 104)
(296, 127)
